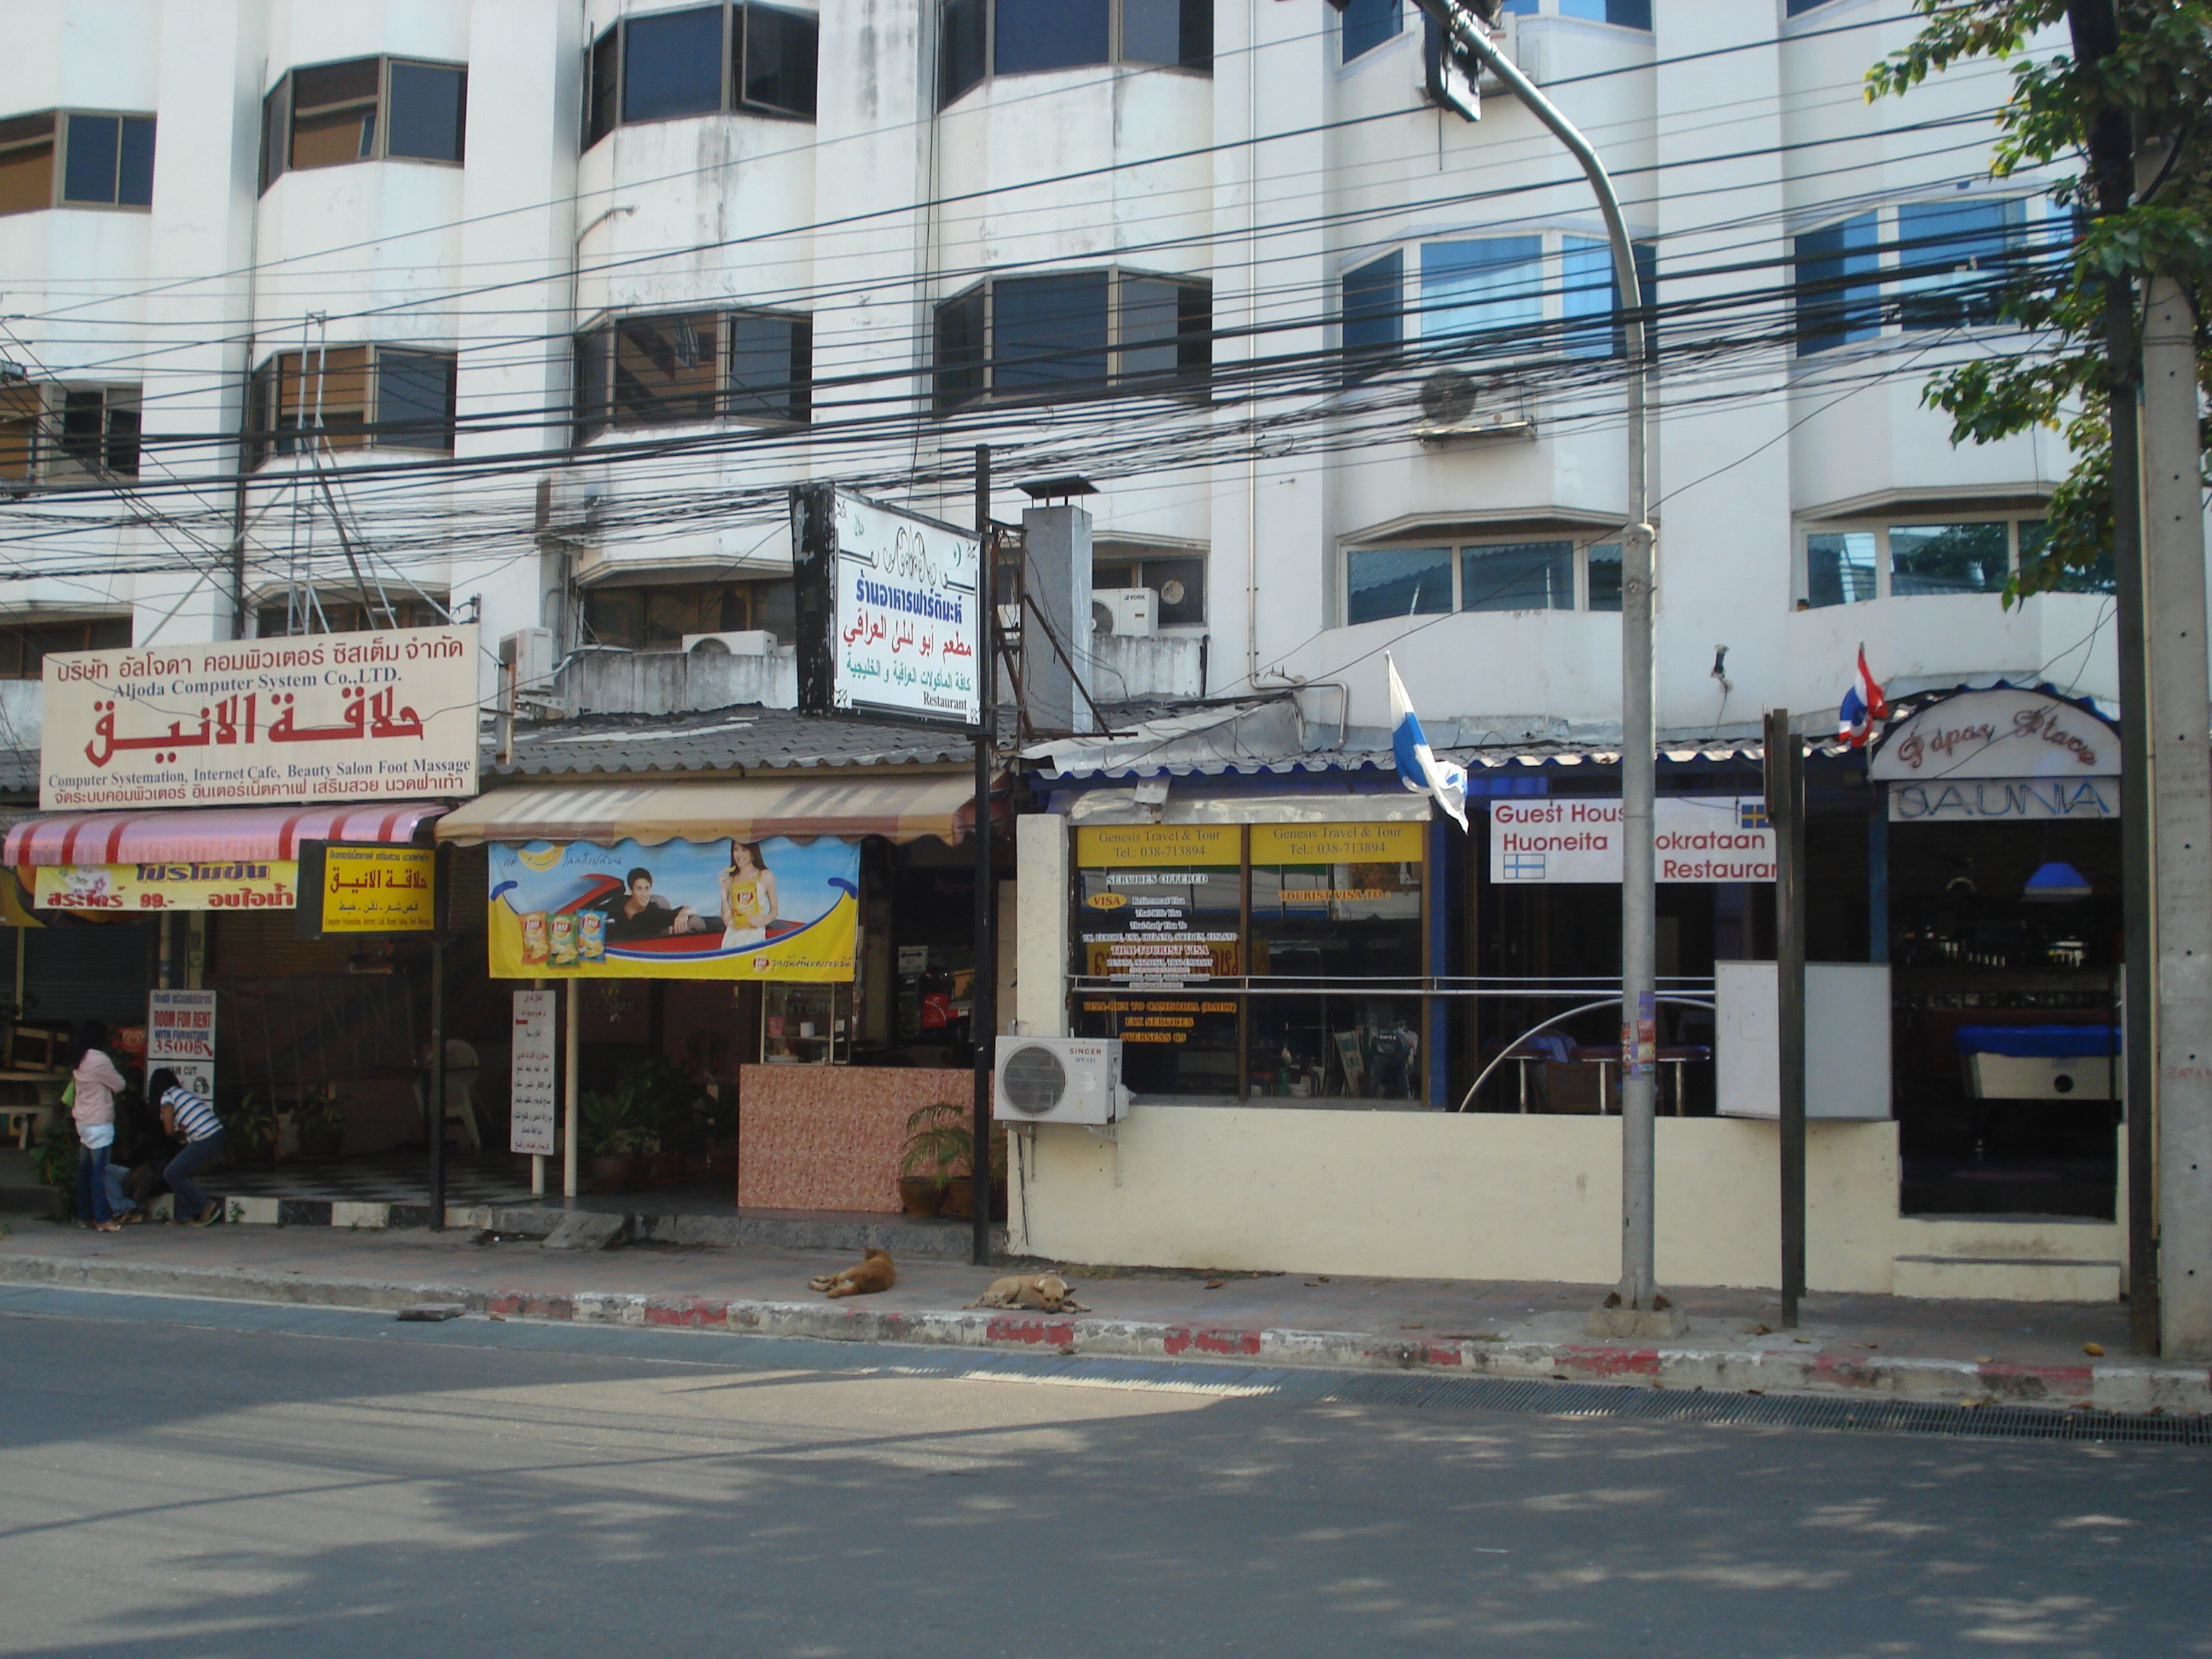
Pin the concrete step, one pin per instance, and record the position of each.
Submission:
(2006, 1279)
(23, 1198)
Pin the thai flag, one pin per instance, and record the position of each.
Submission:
(1864, 708)
(1418, 769)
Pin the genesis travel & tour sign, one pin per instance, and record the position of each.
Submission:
(306, 718)
(889, 622)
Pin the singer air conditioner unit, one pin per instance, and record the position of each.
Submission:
(1127, 610)
(1059, 1080)
(738, 643)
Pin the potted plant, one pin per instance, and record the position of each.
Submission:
(251, 1129)
(609, 1134)
(939, 1151)
(54, 1161)
(319, 1123)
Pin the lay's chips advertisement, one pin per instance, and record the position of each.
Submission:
(771, 909)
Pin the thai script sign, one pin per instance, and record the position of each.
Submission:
(1696, 838)
(312, 718)
(889, 621)
(180, 1034)
(774, 910)
(535, 1097)
(2003, 732)
(118, 889)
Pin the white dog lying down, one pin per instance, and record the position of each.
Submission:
(1042, 1292)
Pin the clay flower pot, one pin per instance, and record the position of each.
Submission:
(920, 1195)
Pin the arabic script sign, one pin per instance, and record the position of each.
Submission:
(379, 889)
(900, 610)
(2003, 732)
(314, 718)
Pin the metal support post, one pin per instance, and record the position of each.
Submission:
(437, 1079)
(569, 1095)
(1644, 1311)
(1785, 811)
(983, 987)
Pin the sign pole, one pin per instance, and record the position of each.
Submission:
(438, 1083)
(568, 1094)
(983, 988)
(1785, 810)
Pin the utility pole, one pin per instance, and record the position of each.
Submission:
(983, 986)
(1785, 811)
(1637, 1308)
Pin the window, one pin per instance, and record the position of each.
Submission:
(1798, 8)
(1622, 14)
(1510, 294)
(1952, 257)
(1838, 293)
(702, 60)
(1374, 312)
(106, 160)
(1850, 564)
(980, 39)
(25, 645)
(1179, 578)
(355, 397)
(658, 616)
(309, 611)
(1491, 285)
(2099, 578)
(1368, 23)
(1072, 333)
(366, 109)
(1382, 583)
(681, 367)
(56, 436)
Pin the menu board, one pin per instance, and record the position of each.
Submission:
(535, 1099)
(1159, 903)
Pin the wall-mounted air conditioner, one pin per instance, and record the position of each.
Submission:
(1128, 610)
(738, 643)
(1453, 405)
(1059, 1080)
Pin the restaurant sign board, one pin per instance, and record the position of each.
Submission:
(314, 717)
(2006, 731)
(1578, 838)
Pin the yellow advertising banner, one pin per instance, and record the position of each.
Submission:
(379, 889)
(271, 884)
(1338, 844)
(1155, 845)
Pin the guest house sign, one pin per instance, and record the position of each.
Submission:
(316, 717)
(889, 622)
(2005, 732)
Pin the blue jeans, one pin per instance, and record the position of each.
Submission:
(118, 1201)
(191, 1201)
(91, 1184)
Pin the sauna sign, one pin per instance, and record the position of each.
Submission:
(318, 717)
(1564, 839)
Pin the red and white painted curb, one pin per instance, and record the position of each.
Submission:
(2120, 1386)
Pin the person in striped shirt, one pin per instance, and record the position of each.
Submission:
(191, 1119)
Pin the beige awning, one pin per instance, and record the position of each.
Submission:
(752, 809)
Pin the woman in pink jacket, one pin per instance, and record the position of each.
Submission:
(97, 1083)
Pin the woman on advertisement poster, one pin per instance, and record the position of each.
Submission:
(748, 897)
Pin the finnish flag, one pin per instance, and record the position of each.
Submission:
(1418, 769)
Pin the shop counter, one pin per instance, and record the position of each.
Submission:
(831, 1137)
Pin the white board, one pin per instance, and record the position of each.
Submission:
(536, 1099)
(1846, 1039)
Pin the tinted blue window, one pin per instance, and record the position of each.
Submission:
(1049, 34)
(89, 170)
(1397, 581)
(1367, 24)
(1518, 576)
(1375, 306)
(1951, 258)
(1497, 282)
(1839, 568)
(1838, 289)
(134, 184)
(1049, 330)
(1627, 14)
(429, 103)
(673, 64)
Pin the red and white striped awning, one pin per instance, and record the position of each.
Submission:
(209, 833)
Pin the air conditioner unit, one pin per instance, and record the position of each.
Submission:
(740, 642)
(1452, 405)
(528, 652)
(1132, 610)
(1059, 1080)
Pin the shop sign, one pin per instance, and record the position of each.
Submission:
(1696, 838)
(2004, 733)
(1160, 902)
(773, 910)
(2004, 799)
(1339, 843)
(533, 1091)
(888, 621)
(130, 889)
(375, 889)
(180, 1034)
(1153, 846)
(316, 717)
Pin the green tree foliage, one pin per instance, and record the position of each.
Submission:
(2160, 76)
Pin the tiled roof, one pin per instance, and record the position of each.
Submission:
(747, 738)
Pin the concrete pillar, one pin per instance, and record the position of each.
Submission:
(1057, 549)
(2181, 795)
(1042, 944)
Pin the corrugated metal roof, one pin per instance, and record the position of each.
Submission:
(746, 738)
(1535, 755)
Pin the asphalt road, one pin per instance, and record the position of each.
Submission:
(170, 1486)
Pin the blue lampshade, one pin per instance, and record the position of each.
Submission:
(2056, 883)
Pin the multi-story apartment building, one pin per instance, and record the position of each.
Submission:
(354, 315)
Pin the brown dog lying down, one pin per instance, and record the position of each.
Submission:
(1042, 1292)
(874, 1273)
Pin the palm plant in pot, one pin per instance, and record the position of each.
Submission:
(610, 1133)
(938, 1144)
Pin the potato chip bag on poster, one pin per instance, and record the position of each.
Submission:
(562, 939)
(533, 937)
(591, 935)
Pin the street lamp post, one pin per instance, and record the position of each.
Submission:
(1637, 1308)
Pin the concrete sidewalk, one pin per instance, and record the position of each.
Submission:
(1893, 1347)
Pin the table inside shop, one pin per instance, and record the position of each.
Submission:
(19, 1117)
(1523, 1055)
